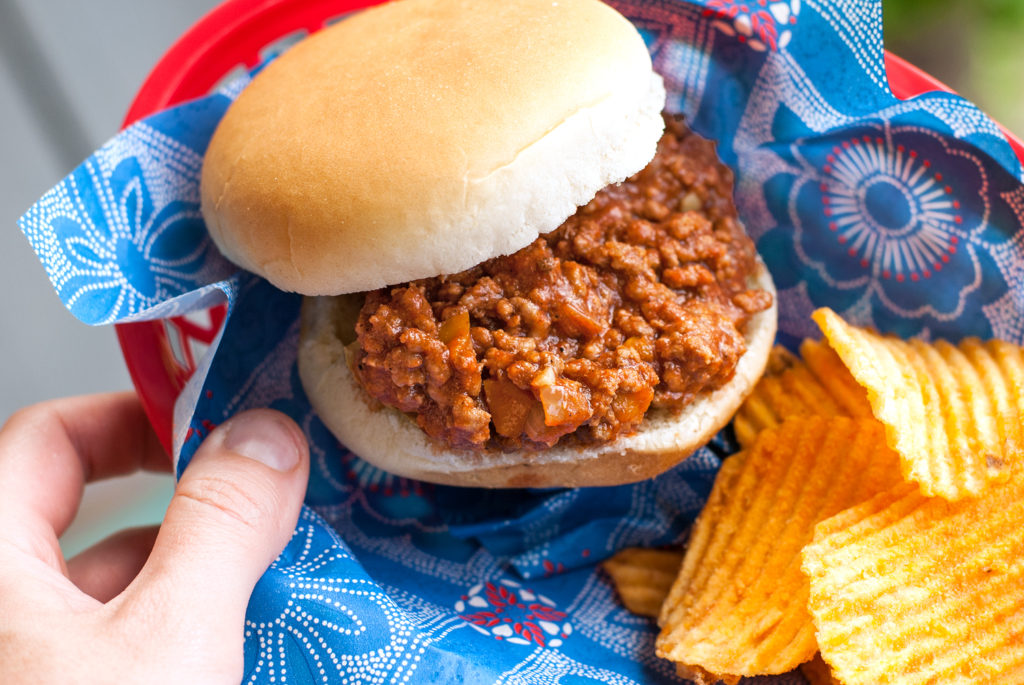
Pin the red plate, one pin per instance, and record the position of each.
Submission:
(161, 355)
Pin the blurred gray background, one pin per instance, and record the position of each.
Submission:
(68, 71)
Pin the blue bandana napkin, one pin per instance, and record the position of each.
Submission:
(901, 215)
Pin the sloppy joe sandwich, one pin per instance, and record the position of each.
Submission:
(522, 274)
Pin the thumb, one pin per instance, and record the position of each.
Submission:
(232, 513)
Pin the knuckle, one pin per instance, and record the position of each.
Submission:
(32, 417)
(235, 502)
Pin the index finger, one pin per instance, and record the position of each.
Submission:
(49, 451)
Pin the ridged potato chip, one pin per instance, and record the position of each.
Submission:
(839, 383)
(817, 385)
(953, 413)
(909, 589)
(739, 605)
(642, 577)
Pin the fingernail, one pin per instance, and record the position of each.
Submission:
(263, 437)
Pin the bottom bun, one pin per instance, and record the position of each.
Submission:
(394, 442)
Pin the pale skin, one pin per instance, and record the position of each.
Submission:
(148, 605)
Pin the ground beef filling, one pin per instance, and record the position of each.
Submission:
(637, 301)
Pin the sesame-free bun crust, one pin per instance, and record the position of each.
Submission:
(422, 137)
(394, 442)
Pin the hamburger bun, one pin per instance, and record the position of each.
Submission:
(375, 153)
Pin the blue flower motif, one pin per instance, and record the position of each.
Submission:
(140, 257)
(123, 233)
(885, 217)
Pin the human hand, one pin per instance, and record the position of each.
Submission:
(143, 606)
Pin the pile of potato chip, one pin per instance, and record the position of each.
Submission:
(870, 531)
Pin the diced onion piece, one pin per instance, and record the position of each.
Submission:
(455, 327)
(509, 406)
(545, 378)
(575, 322)
(691, 203)
(565, 402)
(630, 407)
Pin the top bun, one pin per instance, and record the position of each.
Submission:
(423, 137)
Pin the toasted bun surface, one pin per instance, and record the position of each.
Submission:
(422, 137)
(392, 441)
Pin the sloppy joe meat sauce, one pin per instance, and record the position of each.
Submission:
(637, 301)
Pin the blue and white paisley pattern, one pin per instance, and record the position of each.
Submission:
(122, 236)
(320, 610)
(905, 215)
(857, 25)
